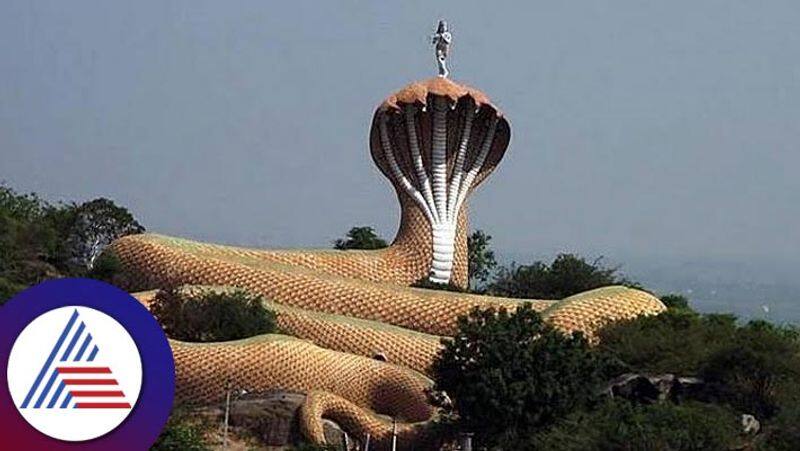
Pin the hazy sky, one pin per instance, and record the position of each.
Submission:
(639, 127)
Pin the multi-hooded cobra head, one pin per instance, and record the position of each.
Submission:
(436, 141)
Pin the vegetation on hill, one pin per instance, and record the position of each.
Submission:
(752, 367)
(622, 425)
(518, 384)
(40, 240)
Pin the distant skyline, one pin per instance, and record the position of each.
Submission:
(657, 130)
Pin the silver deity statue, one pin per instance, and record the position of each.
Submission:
(441, 41)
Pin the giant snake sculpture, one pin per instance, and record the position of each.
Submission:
(436, 141)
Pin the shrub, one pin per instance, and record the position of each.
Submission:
(620, 425)
(568, 274)
(180, 434)
(105, 267)
(510, 373)
(430, 285)
(212, 315)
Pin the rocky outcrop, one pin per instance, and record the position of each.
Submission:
(271, 419)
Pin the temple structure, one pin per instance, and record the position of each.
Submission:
(436, 141)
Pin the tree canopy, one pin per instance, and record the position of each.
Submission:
(568, 274)
(510, 374)
(95, 225)
(363, 237)
(481, 260)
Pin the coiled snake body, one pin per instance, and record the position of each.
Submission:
(436, 141)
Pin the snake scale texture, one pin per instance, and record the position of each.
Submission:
(435, 141)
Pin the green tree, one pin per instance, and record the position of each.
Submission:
(25, 207)
(675, 301)
(360, 238)
(95, 225)
(568, 274)
(480, 257)
(510, 374)
(211, 316)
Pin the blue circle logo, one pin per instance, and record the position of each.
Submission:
(86, 366)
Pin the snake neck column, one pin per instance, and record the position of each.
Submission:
(436, 141)
(415, 244)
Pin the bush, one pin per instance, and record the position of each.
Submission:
(180, 434)
(428, 284)
(510, 374)
(211, 315)
(567, 275)
(619, 425)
